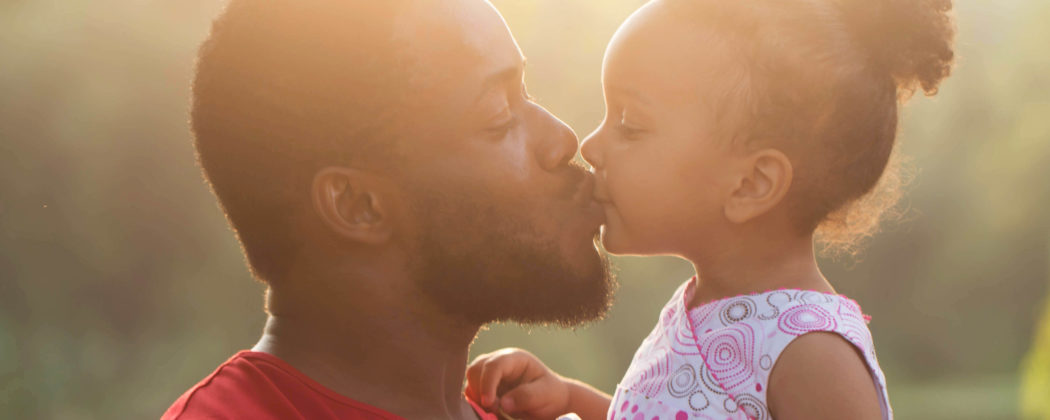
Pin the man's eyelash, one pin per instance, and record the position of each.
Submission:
(505, 127)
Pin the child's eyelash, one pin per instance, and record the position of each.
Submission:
(525, 94)
(629, 132)
(627, 126)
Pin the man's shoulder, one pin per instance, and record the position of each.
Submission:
(261, 386)
(232, 390)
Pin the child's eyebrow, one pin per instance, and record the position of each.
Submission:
(629, 93)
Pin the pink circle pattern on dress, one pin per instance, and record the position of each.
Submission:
(655, 375)
(684, 339)
(650, 377)
(701, 314)
(737, 310)
(752, 407)
(728, 353)
(683, 382)
(806, 318)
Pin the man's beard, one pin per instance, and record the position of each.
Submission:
(478, 261)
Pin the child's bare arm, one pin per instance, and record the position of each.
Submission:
(822, 376)
(518, 383)
(586, 401)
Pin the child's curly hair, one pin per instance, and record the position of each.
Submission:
(822, 81)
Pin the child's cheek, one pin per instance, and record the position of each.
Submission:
(643, 212)
(621, 215)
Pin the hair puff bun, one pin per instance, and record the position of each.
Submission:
(909, 39)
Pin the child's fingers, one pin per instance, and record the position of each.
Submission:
(525, 399)
(474, 368)
(472, 393)
(499, 370)
(474, 378)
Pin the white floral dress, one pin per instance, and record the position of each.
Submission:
(713, 361)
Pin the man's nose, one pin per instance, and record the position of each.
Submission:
(557, 142)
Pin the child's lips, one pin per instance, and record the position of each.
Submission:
(600, 196)
(584, 191)
(585, 197)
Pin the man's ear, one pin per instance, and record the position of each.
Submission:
(765, 178)
(352, 204)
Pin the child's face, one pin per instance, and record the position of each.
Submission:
(662, 177)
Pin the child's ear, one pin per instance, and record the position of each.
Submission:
(352, 204)
(765, 178)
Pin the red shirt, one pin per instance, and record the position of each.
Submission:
(254, 385)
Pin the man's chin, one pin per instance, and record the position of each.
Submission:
(532, 288)
(581, 299)
(489, 263)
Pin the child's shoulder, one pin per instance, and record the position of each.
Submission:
(770, 321)
(718, 358)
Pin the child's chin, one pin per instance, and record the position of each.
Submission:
(619, 245)
(615, 244)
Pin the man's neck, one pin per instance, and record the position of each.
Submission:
(407, 359)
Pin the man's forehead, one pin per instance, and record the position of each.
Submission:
(458, 37)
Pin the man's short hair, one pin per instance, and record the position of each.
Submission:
(283, 88)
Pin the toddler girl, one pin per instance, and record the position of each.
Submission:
(737, 133)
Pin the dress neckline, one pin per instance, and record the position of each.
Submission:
(690, 289)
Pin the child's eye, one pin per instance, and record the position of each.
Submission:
(630, 132)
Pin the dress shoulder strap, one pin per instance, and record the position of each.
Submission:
(792, 314)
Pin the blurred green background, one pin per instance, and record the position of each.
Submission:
(120, 285)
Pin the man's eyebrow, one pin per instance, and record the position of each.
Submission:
(502, 77)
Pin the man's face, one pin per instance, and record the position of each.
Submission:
(505, 224)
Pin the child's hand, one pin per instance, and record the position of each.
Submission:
(515, 381)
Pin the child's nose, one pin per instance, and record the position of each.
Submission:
(591, 149)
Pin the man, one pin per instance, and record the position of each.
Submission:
(396, 188)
